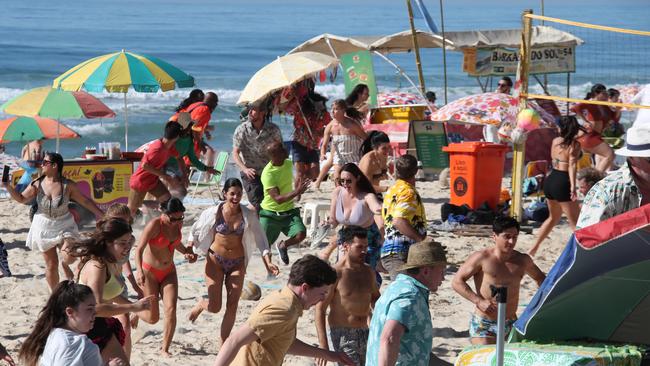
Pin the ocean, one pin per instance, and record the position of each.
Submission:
(223, 43)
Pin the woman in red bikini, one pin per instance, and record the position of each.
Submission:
(154, 260)
(228, 234)
(596, 118)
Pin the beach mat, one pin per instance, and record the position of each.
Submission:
(532, 354)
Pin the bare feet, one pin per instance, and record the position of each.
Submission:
(195, 312)
(165, 353)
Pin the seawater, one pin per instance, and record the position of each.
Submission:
(223, 43)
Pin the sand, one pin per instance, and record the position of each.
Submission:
(23, 295)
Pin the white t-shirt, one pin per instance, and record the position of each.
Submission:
(67, 348)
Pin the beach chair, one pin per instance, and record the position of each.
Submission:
(215, 181)
(537, 170)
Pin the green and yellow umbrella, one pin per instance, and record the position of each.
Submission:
(119, 71)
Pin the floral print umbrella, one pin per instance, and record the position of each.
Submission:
(486, 109)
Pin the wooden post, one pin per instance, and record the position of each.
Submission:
(519, 148)
(416, 47)
(444, 48)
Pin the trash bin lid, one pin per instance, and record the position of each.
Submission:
(472, 147)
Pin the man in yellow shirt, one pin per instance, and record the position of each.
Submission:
(270, 332)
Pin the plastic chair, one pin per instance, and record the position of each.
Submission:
(312, 212)
(215, 180)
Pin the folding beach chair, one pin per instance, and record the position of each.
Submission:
(215, 181)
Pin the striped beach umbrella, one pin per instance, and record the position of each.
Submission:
(118, 72)
(56, 103)
(22, 128)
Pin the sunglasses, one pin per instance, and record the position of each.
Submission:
(345, 181)
(176, 219)
(46, 162)
(502, 84)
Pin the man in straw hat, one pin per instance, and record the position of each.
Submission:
(401, 332)
(499, 265)
(624, 189)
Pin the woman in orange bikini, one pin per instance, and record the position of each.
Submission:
(596, 118)
(154, 260)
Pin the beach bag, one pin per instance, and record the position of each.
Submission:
(537, 211)
(484, 215)
(449, 209)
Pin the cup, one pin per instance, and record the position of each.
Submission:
(98, 185)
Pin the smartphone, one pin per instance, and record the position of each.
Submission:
(5, 174)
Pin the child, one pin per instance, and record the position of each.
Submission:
(499, 265)
(58, 335)
(346, 135)
(350, 299)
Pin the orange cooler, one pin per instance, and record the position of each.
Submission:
(475, 172)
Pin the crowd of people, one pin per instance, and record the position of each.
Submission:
(382, 235)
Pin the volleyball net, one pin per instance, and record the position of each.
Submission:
(615, 57)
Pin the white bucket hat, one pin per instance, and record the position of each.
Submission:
(637, 143)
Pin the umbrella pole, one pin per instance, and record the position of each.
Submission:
(501, 294)
(126, 126)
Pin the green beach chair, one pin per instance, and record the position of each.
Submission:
(215, 181)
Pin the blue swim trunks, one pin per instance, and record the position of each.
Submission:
(480, 327)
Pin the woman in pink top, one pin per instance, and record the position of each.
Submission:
(150, 177)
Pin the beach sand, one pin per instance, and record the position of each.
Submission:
(23, 296)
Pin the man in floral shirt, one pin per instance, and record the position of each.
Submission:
(401, 332)
(403, 214)
(625, 189)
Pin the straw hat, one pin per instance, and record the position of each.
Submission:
(637, 142)
(184, 119)
(424, 254)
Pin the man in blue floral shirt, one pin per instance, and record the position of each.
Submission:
(401, 332)
(625, 189)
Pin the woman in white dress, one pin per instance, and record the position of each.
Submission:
(53, 225)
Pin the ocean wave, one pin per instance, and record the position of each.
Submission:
(167, 101)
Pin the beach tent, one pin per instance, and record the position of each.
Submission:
(599, 288)
(331, 44)
(540, 36)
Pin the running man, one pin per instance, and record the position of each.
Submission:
(502, 266)
(350, 299)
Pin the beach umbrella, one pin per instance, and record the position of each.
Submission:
(118, 72)
(56, 103)
(21, 128)
(485, 109)
(599, 288)
(283, 72)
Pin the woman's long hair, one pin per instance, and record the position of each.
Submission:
(569, 129)
(353, 97)
(96, 245)
(363, 184)
(349, 111)
(595, 90)
(374, 140)
(57, 159)
(196, 95)
(66, 294)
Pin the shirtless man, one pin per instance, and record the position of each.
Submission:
(350, 300)
(501, 266)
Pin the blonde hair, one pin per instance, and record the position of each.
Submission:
(117, 210)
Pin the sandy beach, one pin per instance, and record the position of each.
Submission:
(24, 294)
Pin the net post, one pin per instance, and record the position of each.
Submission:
(519, 147)
(416, 46)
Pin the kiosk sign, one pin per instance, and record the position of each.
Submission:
(503, 61)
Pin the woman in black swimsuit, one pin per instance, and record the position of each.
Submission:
(560, 185)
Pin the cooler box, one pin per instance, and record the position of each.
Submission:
(475, 171)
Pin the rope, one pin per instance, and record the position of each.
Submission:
(584, 101)
(587, 25)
